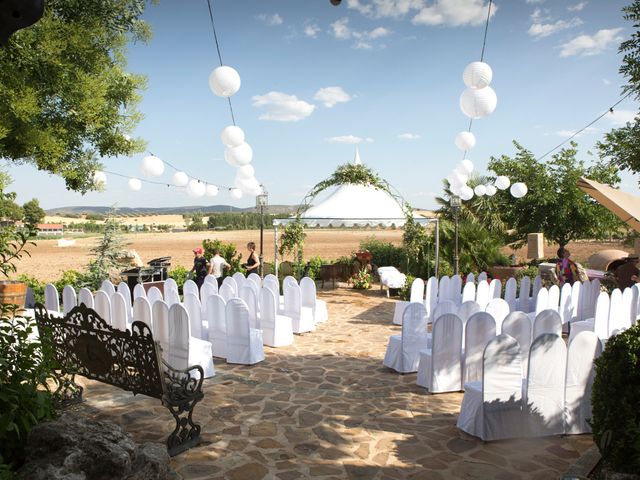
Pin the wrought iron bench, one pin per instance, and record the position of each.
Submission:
(82, 343)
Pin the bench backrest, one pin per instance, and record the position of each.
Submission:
(84, 344)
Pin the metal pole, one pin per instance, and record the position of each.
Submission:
(261, 241)
(437, 268)
(275, 249)
(455, 256)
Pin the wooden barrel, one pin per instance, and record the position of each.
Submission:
(14, 292)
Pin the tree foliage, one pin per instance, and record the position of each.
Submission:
(65, 96)
(109, 255)
(33, 213)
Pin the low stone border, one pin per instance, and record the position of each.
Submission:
(584, 465)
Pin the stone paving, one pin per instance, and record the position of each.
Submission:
(326, 408)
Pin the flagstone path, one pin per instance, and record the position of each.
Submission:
(326, 408)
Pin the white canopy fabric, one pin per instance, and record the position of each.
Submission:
(622, 204)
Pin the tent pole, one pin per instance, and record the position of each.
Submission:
(275, 249)
(437, 262)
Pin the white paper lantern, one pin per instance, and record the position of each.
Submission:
(466, 193)
(478, 103)
(491, 190)
(232, 136)
(502, 182)
(180, 179)
(465, 141)
(455, 189)
(212, 190)
(518, 190)
(458, 178)
(480, 190)
(195, 188)
(256, 190)
(152, 166)
(246, 171)
(477, 75)
(134, 184)
(99, 178)
(236, 193)
(239, 156)
(465, 167)
(224, 81)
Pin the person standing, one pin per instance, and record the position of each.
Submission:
(253, 263)
(628, 273)
(566, 269)
(200, 266)
(218, 264)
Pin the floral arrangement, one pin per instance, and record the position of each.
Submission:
(361, 280)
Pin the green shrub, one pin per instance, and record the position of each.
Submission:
(314, 265)
(179, 274)
(227, 251)
(384, 254)
(405, 291)
(36, 285)
(615, 402)
(69, 277)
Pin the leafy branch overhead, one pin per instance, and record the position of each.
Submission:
(353, 174)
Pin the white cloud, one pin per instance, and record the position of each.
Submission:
(541, 30)
(606, 82)
(378, 32)
(620, 118)
(577, 7)
(386, 8)
(587, 45)
(570, 133)
(341, 31)
(352, 139)
(282, 107)
(311, 30)
(271, 20)
(330, 96)
(535, 1)
(408, 136)
(454, 13)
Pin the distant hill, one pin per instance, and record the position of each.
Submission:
(129, 211)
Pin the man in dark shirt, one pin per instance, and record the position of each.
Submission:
(200, 266)
(628, 273)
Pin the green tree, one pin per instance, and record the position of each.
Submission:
(9, 209)
(622, 145)
(33, 213)
(292, 241)
(196, 224)
(554, 204)
(65, 96)
(109, 255)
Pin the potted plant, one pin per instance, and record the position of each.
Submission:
(361, 280)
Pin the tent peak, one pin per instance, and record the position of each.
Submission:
(356, 160)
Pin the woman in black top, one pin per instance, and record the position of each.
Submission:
(253, 263)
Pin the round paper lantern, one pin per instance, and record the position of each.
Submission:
(480, 190)
(518, 190)
(458, 178)
(195, 188)
(224, 81)
(236, 193)
(239, 156)
(465, 141)
(477, 75)
(232, 136)
(99, 178)
(212, 190)
(465, 167)
(502, 182)
(256, 190)
(246, 171)
(455, 189)
(180, 179)
(491, 190)
(466, 193)
(134, 184)
(478, 103)
(152, 166)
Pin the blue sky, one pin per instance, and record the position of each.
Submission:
(384, 73)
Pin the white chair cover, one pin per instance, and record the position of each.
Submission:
(206, 291)
(51, 299)
(160, 321)
(469, 292)
(209, 278)
(544, 393)
(444, 306)
(124, 289)
(139, 291)
(471, 277)
(536, 287)
(455, 289)
(274, 287)
(119, 313)
(309, 299)
(289, 280)
(581, 355)
(480, 328)
(102, 305)
(69, 299)
(467, 309)
(255, 278)
(108, 288)
(482, 294)
(431, 295)
(565, 308)
(443, 289)
(439, 369)
(510, 291)
(547, 321)
(542, 300)
(227, 292)
(553, 301)
(492, 408)
(194, 309)
(184, 350)
(270, 277)
(482, 277)
(244, 344)
(576, 291)
(142, 311)
(190, 287)
(518, 325)
(616, 315)
(170, 283)
(277, 330)
(171, 296)
(599, 324)
(154, 294)
(232, 284)
(498, 309)
(252, 286)
(216, 318)
(85, 296)
(417, 290)
(524, 295)
(302, 317)
(495, 289)
(627, 300)
(403, 351)
(240, 279)
(636, 308)
(247, 294)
